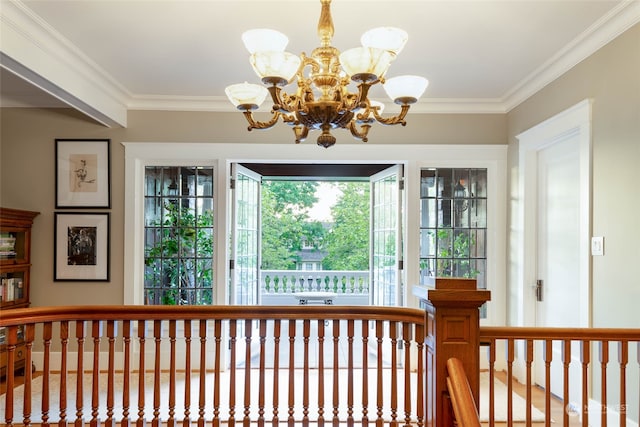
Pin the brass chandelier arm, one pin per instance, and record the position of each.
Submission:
(301, 133)
(360, 134)
(253, 124)
(396, 120)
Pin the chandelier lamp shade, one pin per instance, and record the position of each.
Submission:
(322, 100)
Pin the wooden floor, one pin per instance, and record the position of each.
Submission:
(557, 408)
(538, 399)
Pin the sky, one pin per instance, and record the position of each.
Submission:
(327, 195)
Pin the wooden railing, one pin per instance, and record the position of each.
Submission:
(462, 401)
(575, 376)
(218, 364)
(302, 364)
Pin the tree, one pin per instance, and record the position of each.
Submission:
(347, 243)
(285, 221)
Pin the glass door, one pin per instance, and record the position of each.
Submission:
(245, 260)
(386, 237)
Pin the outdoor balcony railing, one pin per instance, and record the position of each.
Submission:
(278, 287)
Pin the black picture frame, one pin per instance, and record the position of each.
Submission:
(83, 173)
(81, 246)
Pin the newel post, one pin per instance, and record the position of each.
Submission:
(452, 330)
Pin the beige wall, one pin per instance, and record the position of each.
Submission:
(27, 169)
(611, 79)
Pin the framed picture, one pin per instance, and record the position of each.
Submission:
(81, 246)
(83, 172)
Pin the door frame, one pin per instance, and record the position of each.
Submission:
(572, 122)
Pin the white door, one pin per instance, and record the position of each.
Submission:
(555, 202)
(558, 254)
(558, 235)
(386, 237)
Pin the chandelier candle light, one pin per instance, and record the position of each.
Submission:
(322, 100)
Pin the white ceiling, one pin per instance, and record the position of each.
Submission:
(479, 55)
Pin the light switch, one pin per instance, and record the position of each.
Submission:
(597, 245)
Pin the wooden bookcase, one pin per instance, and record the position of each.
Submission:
(15, 264)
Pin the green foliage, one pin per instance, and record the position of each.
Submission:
(180, 260)
(453, 253)
(285, 221)
(347, 243)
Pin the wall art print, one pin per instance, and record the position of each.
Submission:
(83, 173)
(81, 246)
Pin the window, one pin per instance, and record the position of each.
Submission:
(453, 223)
(178, 255)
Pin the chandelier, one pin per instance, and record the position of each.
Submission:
(322, 100)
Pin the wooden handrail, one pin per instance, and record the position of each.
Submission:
(238, 372)
(138, 312)
(464, 406)
(577, 334)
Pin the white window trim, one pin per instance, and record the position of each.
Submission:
(222, 155)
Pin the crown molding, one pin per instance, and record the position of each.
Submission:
(607, 28)
(36, 52)
(221, 104)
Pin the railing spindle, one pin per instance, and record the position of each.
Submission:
(510, 358)
(336, 373)
(79, 421)
(29, 336)
(350, 334)
(233, 332)
(276, 371)
(548, 357)
(379, 373)
(202, 389)
(321, 323)
(566, 361)
(492, 382)
(585, 360)
(306, 330)
(96, 333)
(248, 330)
(393, 335)
(126, 372)
(47, 335)
(529, 382)
(142, 330)
(171, 421)
(604, 360)
(12, 341)
(261, 379)
(420, 397)
(186, 422)
(64, 351)
(157, 337)
(406, 336)
(217, 331)
(623, 358)
(111, 373)
(365, 373)
(292, 338)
